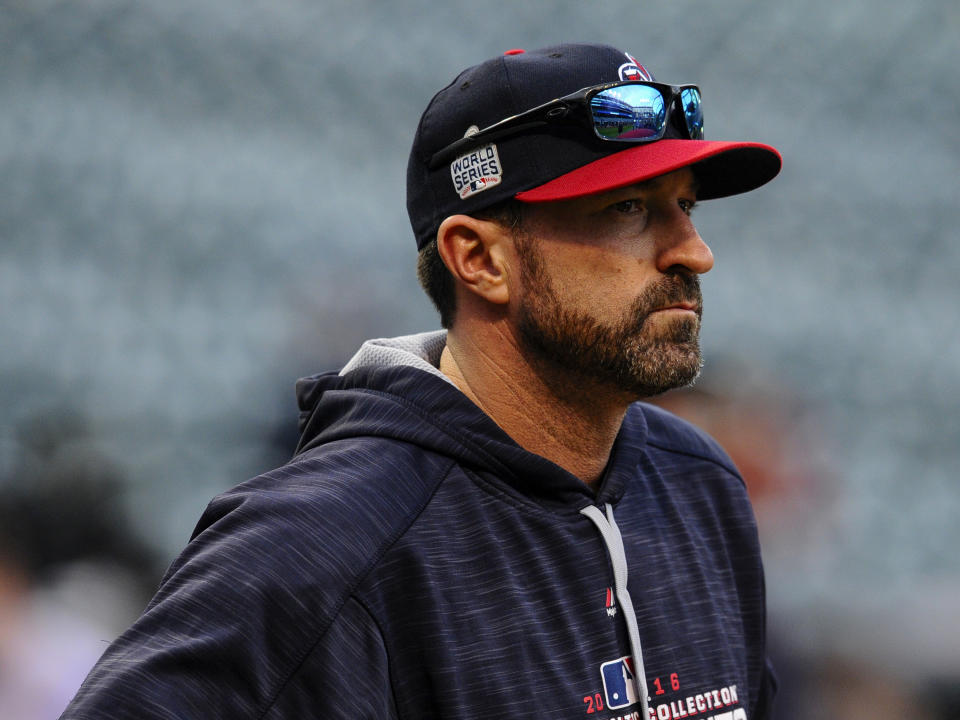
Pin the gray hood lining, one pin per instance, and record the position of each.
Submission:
(421, 351)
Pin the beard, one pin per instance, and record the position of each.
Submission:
(632, 355)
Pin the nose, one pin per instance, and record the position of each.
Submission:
(680, 247)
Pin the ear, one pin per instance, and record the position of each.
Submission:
(474, 252)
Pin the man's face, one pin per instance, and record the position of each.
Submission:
(609, 287)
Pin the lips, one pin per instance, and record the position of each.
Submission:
(689, 305)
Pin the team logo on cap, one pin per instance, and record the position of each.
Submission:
(476, 171)
(633, 70)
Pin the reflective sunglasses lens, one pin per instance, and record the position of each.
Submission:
(629, 112)
(692, 112)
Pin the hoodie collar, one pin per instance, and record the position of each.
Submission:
(421, 351)
(392, 387)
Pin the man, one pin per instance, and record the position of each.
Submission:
(482, 522)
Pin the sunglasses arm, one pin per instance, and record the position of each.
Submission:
(532, 119)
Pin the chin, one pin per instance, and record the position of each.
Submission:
(654, 371)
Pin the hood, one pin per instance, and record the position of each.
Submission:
(392, 388)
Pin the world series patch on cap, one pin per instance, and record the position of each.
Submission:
(562, 122)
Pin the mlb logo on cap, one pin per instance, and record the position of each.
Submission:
(618, 682)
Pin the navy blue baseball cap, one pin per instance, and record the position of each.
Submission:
(544, 161)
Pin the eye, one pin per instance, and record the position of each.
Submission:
(628, 207)
(687, 206)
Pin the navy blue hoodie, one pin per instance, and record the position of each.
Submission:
(412, 561)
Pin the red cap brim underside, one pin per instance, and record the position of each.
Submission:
(722, 169)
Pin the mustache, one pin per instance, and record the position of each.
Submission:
(679, 288)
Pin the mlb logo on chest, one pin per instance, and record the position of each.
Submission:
(618, 682)
(476, 171)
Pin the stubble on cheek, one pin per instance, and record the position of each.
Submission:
(644, 353)
(641, 354)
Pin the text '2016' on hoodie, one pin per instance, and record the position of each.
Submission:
(412, 561)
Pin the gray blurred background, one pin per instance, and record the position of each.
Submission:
(202, 202)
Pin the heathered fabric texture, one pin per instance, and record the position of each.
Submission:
(413, 562)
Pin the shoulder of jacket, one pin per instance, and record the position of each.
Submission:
(327, 517)
(672, 434)
(340, 485)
